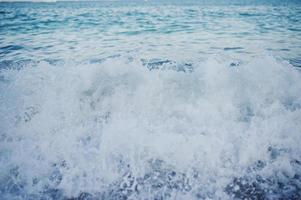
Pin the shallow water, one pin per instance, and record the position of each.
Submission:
(111, 100)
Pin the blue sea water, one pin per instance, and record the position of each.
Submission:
(150, 100)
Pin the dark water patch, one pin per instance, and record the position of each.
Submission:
(235, 64)
(54, 61)
(85, 15)
(242, 188)
(43, 47)
(276, 152)
(15, 64)
(191, 12)
(166, 64)
(296, 62)
(29, 19)
(11, 183)
(96, 60)
(155, 63)
(233, 48)
(52, 194)
(246, 114)
(292, 105)
(27, 115)
(293, 19)
(295, 29)
(160, 180)
(10, 48)
(241, 34)
(131, 33)
(246, 14)
(85, 196)
(256, 187)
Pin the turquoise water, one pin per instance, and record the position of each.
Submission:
(95, 31)
(150, 100)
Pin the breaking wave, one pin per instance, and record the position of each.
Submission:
(151, 129)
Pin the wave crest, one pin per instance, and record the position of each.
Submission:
(127, 128)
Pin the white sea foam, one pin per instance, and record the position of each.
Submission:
(82, 127)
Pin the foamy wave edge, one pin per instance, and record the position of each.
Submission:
(131, 129)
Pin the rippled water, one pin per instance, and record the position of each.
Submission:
(111, 100)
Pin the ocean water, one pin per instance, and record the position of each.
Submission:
(150, 100)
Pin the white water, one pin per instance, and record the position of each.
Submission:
(82, 127)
